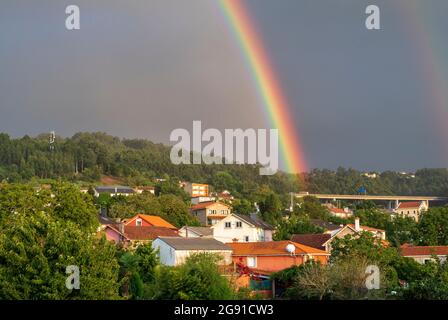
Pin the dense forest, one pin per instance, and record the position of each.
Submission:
(85, 157)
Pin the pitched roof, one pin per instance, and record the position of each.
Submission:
(312, 240)
(325, 224)
(423, 250)
(410, 204)
(206, 204)
(337, 210)
(156, 221)
(194, 243)
(148, 233)
(202, 231)
(255, 221)
(114, 228)
(270, 248)
(365, 228)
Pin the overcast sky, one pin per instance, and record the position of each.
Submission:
(360, 98)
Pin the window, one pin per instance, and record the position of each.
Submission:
(228, 225)
(252, 262)
(138, 222)
(239, 224)
(246, 238)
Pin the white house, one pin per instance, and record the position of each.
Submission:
(412, 209)
(200, 199)
(242, 228)
(424, 254)
(174, 251)
(114, 191)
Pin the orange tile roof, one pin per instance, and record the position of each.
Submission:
(156, 221)
(410, 204)
(148, 233)
(206, 204)
(337, 210)
(423, 250)
(270, 248)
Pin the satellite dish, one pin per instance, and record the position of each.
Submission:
(291, 248)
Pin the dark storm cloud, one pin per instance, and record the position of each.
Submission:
(135, 69)
(143, 68)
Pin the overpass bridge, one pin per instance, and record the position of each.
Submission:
(336, 197)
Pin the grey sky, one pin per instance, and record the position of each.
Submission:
(143, 68)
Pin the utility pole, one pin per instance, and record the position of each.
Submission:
(51, 142)
(291, 206)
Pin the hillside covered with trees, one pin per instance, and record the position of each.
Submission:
(85, 157)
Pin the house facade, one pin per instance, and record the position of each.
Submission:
(196, 189)
(424, 254)
(210, 213)
(131, 235)
(341, 212)
(197, 200)
(113, 191)
(324, 240)
(242, 228)
(411, 209)
(174, 251)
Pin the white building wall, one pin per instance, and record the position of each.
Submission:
(422, 259)
(225, 235)
(170, 257)
(182, 255)
(167, 255)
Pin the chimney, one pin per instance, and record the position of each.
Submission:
(121, 227)
(357, 226)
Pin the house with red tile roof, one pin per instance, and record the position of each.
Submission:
(132, 236)
(412, 209)
(225, 196)
(254, 262)
(323, 241)
(423, 254)
(114, 233)
(273, 256)
(144, 220)
(341, 212)
(210, 212)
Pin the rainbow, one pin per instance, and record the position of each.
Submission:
(276, 107)
(431, 63)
